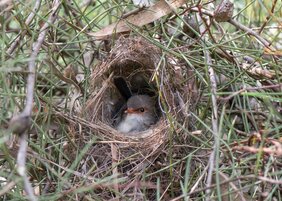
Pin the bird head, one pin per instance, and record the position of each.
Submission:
(139, 115)
(141, 105)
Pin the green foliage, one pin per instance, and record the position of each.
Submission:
(56, 159)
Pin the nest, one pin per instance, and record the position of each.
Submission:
(133, 58)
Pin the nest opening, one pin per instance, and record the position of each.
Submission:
(138, 80)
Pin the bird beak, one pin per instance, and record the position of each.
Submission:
(129, 111)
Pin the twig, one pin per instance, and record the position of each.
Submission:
(26, 113)
(227, 98)
(214, 107)
(240, 193)
(31, 65)
(239, 26)
(21, 160)
(251, 32)
(194, 187)
(133, 12)
(8, 187)
(248, 177)
(114, 151)
(268, 17)
(275, 149)
(23, 33)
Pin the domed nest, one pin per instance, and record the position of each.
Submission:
(137, 62)
(146, 71)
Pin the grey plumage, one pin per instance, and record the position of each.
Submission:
(139, 116)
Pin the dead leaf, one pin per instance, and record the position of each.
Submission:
(272, 52)
(258, 70)
(160, 9)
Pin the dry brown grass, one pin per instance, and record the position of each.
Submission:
(129, 156)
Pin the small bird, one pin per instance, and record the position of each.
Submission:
(139, 115)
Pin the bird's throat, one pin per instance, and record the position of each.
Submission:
(132, 122)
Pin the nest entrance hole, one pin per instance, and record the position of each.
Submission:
(138, 79)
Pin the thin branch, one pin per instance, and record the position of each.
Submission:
(239, 26)
(24, 117)
(235, 93)
(268, 17)
(213, 89)
(23, 33)
(21, 161)
(248, 177)
(35, 50)
(251, 32)
(115, 157)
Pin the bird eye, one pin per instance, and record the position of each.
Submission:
(141, 109)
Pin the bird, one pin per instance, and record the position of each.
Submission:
(139, 115)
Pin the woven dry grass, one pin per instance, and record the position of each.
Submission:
(115, 153)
